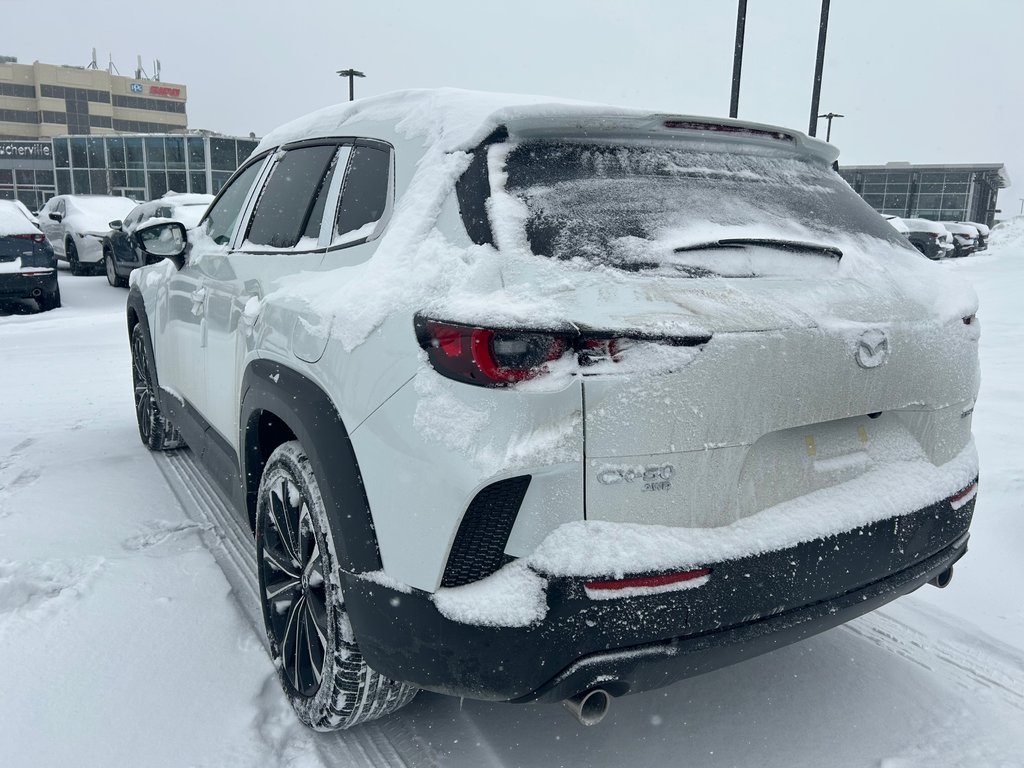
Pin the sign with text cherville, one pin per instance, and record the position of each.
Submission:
(30, 150)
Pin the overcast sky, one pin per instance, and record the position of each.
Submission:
(928, 81)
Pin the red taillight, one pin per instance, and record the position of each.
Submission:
(36, 238)
(505, 357)
(964, 495)
(488, 357)
(500, 357)
(648, 582)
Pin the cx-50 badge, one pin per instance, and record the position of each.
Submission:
(654, 478)
(872, 349)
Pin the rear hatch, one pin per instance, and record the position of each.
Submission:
(774, 335)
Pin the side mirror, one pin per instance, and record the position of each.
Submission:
(54, 216)
(164, 239)
(116, 224)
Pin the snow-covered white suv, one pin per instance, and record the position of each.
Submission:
(530, 400)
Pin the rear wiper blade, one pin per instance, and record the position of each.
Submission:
(798, 246)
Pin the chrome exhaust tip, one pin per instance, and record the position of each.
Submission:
(589, 707)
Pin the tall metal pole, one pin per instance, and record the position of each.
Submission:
(812, 129)
(351, 74)
(737, 59)
(830, 116)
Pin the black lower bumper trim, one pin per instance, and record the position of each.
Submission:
(748, 607)
(657, 664)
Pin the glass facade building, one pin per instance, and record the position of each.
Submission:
(146, 167)
(26, 172)
(937, 192)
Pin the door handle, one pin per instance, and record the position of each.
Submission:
(198, 297)
(250, 313)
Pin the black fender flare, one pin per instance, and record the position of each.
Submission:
(307, 411)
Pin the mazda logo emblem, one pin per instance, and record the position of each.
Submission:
(872, 349)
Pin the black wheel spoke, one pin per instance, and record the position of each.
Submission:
(315, 646)
(143, 410)
(280, 562)
(279, 518)
(290, 642)
(318, 613)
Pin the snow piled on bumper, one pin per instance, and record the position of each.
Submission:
(513, 596)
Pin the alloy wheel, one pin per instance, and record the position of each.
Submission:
(143, 389)
(108, 261)
(295, 590)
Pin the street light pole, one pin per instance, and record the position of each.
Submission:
(812, 130)
(351, 74)
(737, 59)
(830, 116)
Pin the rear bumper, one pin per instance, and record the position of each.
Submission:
(16, 285)
(748, 607)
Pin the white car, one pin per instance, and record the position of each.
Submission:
(75, 225)
(966, 237)
(983, 232)
(531, 400)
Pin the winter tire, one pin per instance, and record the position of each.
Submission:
(155, 429)
(318, 662)
(115, 280)
(49, 301)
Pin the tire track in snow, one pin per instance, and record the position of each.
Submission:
(393, 742)
(227, 538)
(957, 660)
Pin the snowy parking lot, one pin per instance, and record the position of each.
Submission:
(131, 635)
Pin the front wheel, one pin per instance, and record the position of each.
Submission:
(115, 280)
(155, 429)
(324, 676)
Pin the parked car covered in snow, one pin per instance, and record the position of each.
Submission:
(530, 400)
(965, 238)
(983, 233)
(121, 250)
(929, 237)
(75, 225)
(28, 268)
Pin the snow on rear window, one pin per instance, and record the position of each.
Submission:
(633, 206)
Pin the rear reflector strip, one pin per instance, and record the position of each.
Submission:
(960, 498)
(646, 585)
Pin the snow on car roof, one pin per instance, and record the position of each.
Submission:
(13, 221)
(925, 225)
(100, 206)
(187, 198)
(454, 119)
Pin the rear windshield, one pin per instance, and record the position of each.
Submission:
(14, 247)
(637, 206)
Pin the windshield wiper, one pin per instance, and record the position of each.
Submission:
(797, 246)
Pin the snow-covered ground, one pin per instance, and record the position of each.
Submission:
(129, 633)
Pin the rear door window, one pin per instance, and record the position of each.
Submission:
(289, 198)
(364, 197)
